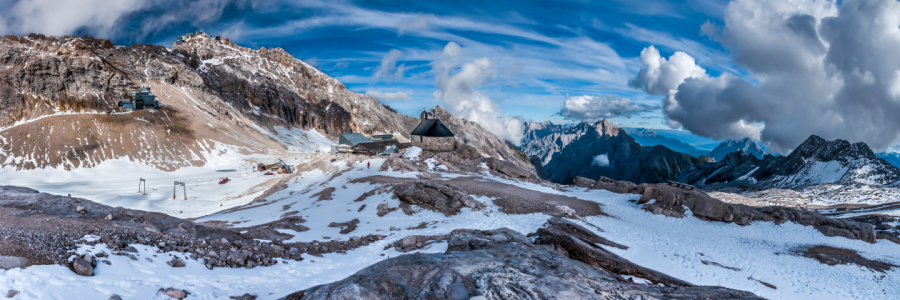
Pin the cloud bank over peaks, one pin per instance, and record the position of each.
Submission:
(815, 67)
(457, 86)
(593, 108)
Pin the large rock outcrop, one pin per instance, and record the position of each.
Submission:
(434, 196)
(503, 264)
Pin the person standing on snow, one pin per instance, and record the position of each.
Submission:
(368, 165)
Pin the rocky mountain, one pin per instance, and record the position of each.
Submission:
(743, 144)
(543, 139)
(815, 161)
(58, 103)
(601, 149)
(648, 137)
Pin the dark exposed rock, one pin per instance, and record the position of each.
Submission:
(383, 209)
(346, 227)
(244, 297)
(13, 293)
(435, 196)
(489, 264)
(832, 256)
(176, 263)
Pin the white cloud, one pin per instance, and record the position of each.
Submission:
(660, 75)
(388, 68)
(390, 96)
(601, 160)
(593, 108)
(458, 90)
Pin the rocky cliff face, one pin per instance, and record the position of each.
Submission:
(208, 87)
(602, 149)
(744, 144)
(815, 161)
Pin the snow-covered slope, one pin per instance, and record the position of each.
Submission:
(690, 249)
(743, 144)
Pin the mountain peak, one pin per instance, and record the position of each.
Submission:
(745, 144)
(606, 127)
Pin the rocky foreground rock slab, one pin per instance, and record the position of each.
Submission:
(504, 264)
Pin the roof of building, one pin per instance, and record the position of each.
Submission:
(353, 139)
(433, 128)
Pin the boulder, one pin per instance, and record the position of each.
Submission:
(13, 293)
(175, 293)
(176, 263)
(82, 267)
(383, 209)
(435, 196)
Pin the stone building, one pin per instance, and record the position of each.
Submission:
(433, 135)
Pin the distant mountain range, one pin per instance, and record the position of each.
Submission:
(815, 161)
(743, 144)
(601, 149)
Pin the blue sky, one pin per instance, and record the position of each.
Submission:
(539, 51)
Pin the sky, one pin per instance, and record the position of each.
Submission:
(777, 71)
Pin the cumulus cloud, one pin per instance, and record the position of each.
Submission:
(390, 96)
(388, 68)
(593, 108)
(601, 160)
(659, 75)
(814, 68)
(458, 90)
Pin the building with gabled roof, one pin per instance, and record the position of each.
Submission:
(433, 135)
